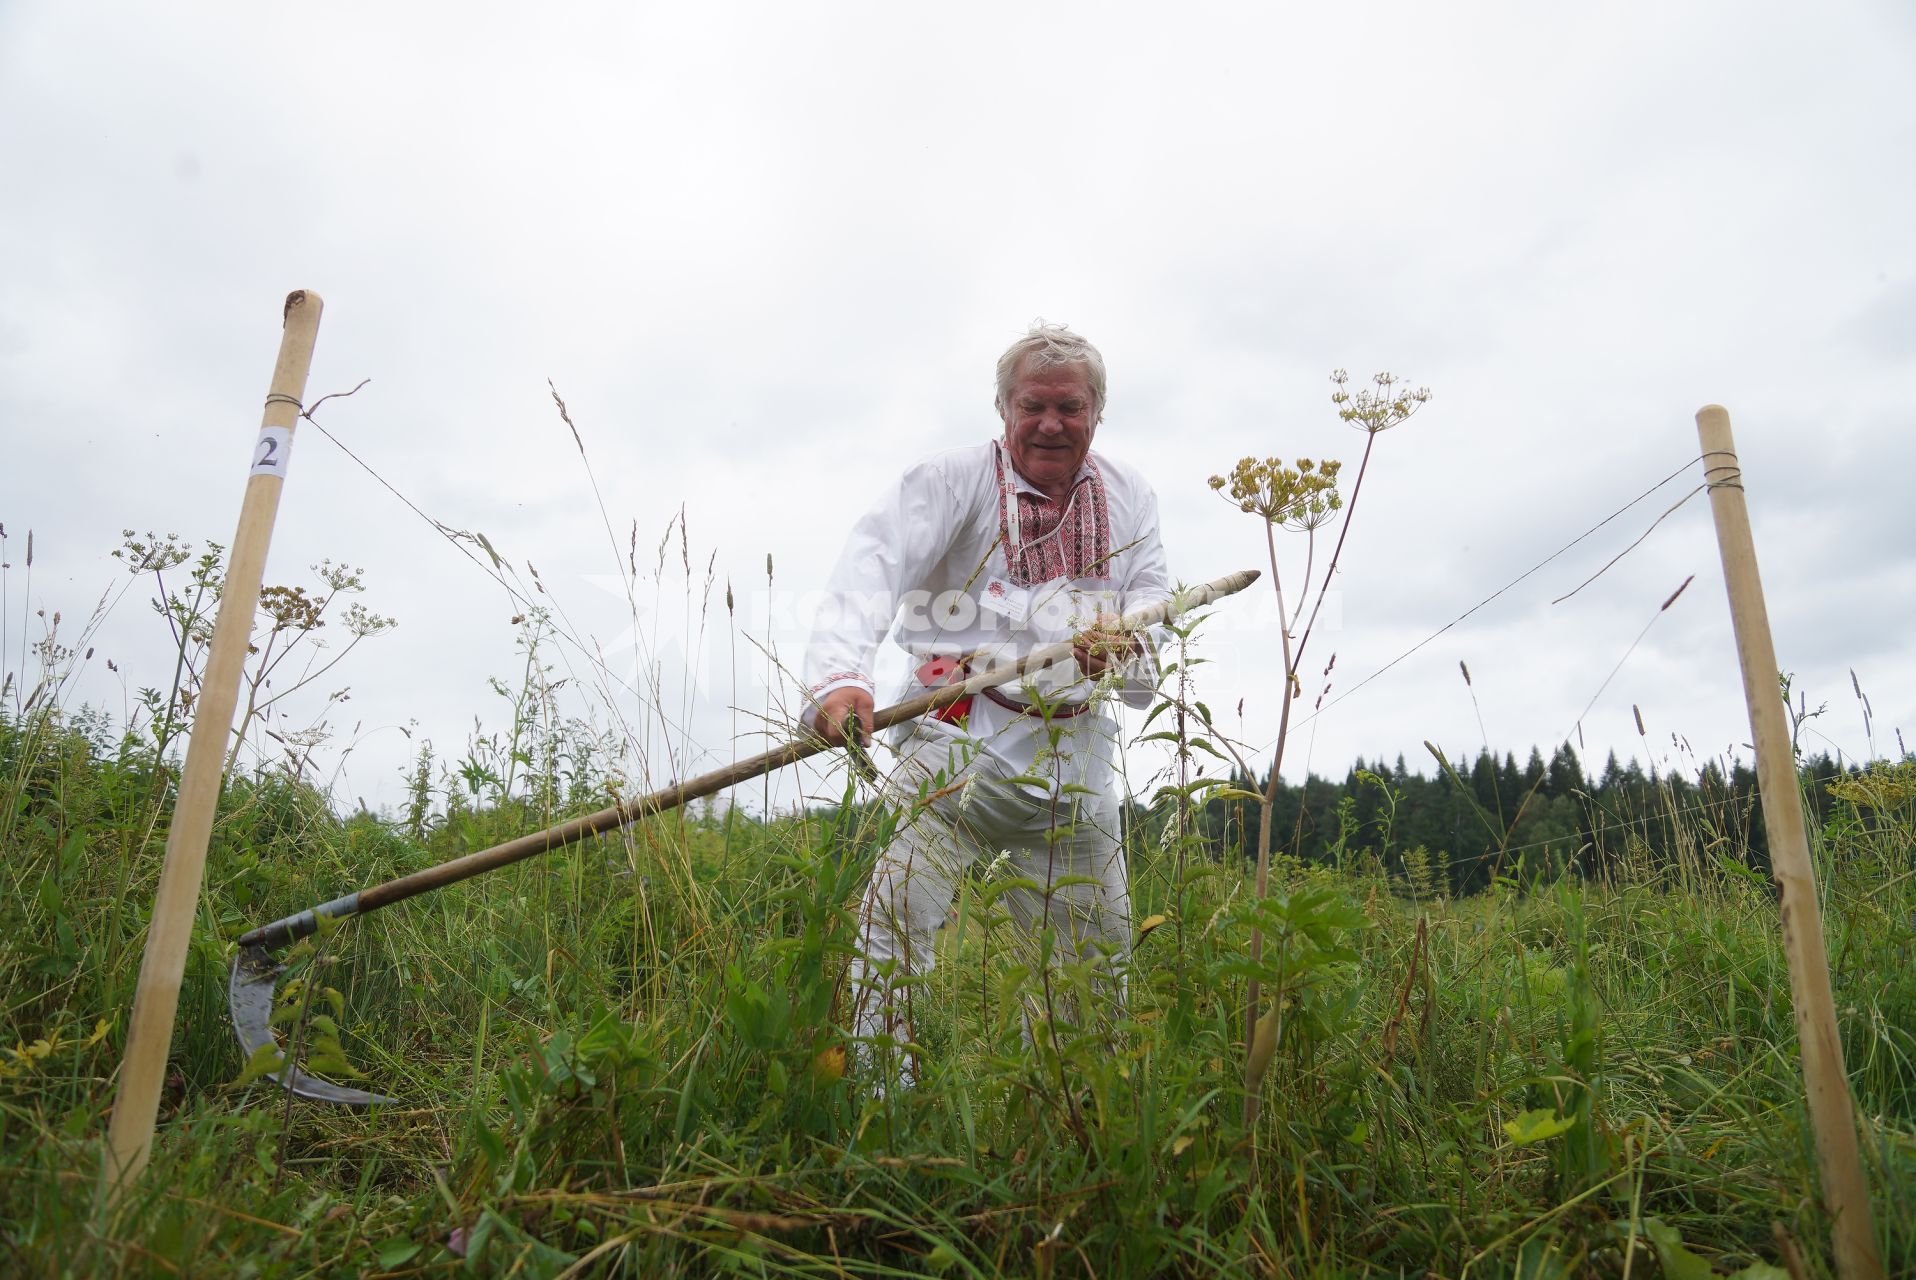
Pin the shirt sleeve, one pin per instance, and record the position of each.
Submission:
(1147, 582)
(891, 551)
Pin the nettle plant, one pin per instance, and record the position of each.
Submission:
(1300, 498)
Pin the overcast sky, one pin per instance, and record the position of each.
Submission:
(769, 255)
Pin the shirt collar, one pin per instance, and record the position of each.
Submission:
(1025, 486)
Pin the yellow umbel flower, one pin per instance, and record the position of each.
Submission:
(1880, 787)
(1300, 497)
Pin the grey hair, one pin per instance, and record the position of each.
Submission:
(1049, 346)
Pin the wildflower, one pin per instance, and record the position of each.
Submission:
(1379, 410)
(1299, 497)
(291, 609)
(1881, 787)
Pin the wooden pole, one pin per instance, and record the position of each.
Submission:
(1826, 1083)
(156, 999)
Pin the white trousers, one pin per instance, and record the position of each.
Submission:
(980, 818)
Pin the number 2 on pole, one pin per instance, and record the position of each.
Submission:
(271, 451)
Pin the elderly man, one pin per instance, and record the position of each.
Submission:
(976, 557)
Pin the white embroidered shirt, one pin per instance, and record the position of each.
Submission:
(928, 563)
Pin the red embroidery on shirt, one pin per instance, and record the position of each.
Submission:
(836, 676)
(1069, 539)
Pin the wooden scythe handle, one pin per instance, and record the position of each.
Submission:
(281, 932)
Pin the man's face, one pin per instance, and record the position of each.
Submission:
(1049, 423)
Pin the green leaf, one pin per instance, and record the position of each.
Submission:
(491, 1147)
(1678, 1262)
(1760, 1271)
(396, 1253)
(991, 891)
(265, 1060)
(325, 1056)
(1535, 1126)
(333, 1066)
(943, 1257)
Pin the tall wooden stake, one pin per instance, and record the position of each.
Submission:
(157, 998)
(1826, 1084)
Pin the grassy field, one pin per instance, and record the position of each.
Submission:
(626, 1059)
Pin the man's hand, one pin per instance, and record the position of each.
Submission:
(1098, 646)
(847, 704)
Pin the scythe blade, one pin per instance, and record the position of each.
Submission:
(250, 997)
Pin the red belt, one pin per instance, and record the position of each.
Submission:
(942, 670)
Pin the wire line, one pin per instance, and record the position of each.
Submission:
(1507, 586)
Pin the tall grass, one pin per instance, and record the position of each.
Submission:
(628, 1058)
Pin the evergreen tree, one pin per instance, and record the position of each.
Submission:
(1510, 785)
(1533, 771)
(1545, 820)
(1566, 773)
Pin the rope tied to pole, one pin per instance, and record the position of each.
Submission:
(1733, 477)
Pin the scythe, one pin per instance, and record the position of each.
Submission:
(255, 970)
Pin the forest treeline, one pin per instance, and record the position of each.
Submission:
(1458, 827)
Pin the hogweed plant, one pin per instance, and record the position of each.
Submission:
(296, 615)
(1302, 498)
(287, 625)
